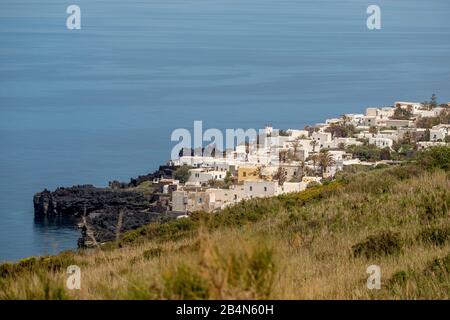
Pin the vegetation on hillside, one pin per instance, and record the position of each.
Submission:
(316, 244)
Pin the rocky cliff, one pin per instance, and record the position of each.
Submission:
(78, 200)
(105, 213)
(102, 213)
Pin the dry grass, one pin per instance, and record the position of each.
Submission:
(303, 251)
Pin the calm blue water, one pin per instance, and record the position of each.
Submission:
(98, 104)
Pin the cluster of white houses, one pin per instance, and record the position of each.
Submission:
(255, 166)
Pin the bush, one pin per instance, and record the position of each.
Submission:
(435, 235)
(386, 243)
(253, 272)
(436, 158)
(185, 283)
(399, 278)
(439, 268)
(182, 173)
(152, 253)
(38, 264)
(434, 205)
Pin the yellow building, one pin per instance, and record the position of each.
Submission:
(247, 174)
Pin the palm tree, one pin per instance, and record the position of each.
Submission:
(314, 143)
(315, 159)
(283, 155)
(373, 130)
(345, 119)
(259, 172)
(295, 147)
(325, 161)
(301, 168)
(280, 175)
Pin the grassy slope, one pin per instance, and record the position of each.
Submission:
(314, 244)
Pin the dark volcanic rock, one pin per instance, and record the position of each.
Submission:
(109, 224)
(162, 172)
(102, 213)
(105, 213)
(77, 200)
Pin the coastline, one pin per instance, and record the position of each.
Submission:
(110, 204)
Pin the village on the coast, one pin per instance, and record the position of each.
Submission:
(291, 160)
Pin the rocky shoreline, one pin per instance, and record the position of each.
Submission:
(103, 214)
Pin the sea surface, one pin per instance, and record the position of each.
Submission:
(100, 103)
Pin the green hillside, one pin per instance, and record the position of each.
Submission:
(316, 244)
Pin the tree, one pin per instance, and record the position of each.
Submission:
(341, 130)
(301, 168)
(325, 161)
(408, 138)
(345, 119)
(365, 152)
(283, 155)
(385, 154)
(433, 101)
(402, 114)
(182, 173)
(296, 147)
(229, 179)
(259, 172)
(281, 176)
(427, 122)
(314, 143)
(314, 158)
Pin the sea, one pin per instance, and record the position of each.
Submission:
(99, 103)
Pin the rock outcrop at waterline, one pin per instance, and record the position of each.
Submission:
(102, 213)
(109, 224)
(78, 200)
(105, 213)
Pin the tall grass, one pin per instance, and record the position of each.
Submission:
(316, 244)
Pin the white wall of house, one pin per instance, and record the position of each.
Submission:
(422, 145)
(258, 189)
(321, 136)
(405, 105)
(298, 133)
(437, 134)
(289, 187)
(369, 121)
(202, 176)
(398, 123)
(381, 142)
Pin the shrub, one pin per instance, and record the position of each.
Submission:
(185, 283)
(434, 205)
(432, 281)
(386, 243)
(38, 264)
(182, 173)
(435, 235)
(439, 267)
(152, 253)
(252, 272)
(436, 158)
(399, 278)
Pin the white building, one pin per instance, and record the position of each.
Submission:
(199, 175)
(381, 142)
